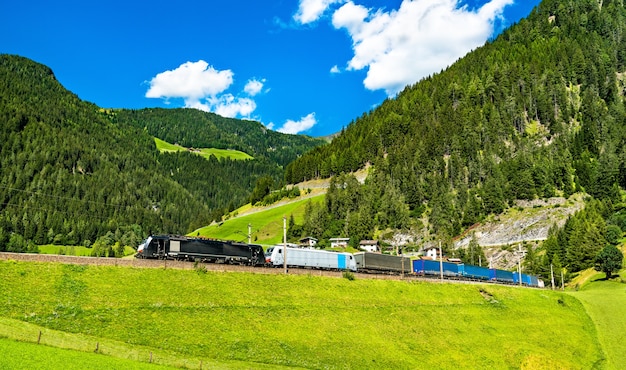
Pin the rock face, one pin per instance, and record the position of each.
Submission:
(526, 223)
(505, 237)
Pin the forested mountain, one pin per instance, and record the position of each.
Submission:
(222, 184)
(71, 172)
(537, 112)
(192, 128)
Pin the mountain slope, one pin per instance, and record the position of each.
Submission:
(538, 112)
(72, 172)
(192, 128)
(69, 175)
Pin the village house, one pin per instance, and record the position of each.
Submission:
(339, 242)
(370, 246)
(309, 242)
(430, 252)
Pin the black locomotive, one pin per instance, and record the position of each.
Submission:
(201, 249)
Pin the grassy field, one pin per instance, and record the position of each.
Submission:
(230, 319)
(267, 226)
(164, 146)
(19, 355)
(605, 302)
(74, 250)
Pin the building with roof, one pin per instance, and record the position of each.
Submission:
(370, 246)
(339, 242)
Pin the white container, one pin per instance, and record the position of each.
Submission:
(313, 258)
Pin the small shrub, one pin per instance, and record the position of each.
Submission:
(348, 275)
(200, 269)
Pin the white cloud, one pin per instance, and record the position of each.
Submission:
(335, 69)
(310, 11)
(402, 46)
(295, 127)
(203, 87)
(253, 87)
(190, 81)
(230, 106)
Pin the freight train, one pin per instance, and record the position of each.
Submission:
(217, 251)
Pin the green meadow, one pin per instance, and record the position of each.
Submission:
(267, 225)
(72, 250)
(164, 146)
(605, 302)
(21, 355)
(245, 320)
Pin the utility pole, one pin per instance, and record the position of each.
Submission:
(249, 233)
(402, 256)
(440, 262)
(552, 275)
(562, 280)
(519, 263)
(285, 243)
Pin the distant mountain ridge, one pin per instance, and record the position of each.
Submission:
(192, 128)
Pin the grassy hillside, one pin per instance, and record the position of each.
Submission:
(605, 303)
(302, 321)
(71, 250)
(164, 146)
(19, 355)
(267, 225)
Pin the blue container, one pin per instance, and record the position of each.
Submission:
(516, 278)
(450, 269)
(476, 272)
(426, 267)
(503, 276)
(461, 269)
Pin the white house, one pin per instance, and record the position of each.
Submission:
(308, 242)
(369, 246)
(339, 242)
(431, 252)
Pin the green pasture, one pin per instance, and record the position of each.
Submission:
(72, 250)
(301, 321)
(605, 302)
(164, 146)
(20, 355)
(267, 225)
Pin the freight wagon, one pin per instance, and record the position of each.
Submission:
(200, 249)
(477, 273)
(313, 258)
(382, 263)
(430, 267)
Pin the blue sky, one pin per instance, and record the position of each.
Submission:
(297, 66)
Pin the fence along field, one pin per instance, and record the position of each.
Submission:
(302, 320)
